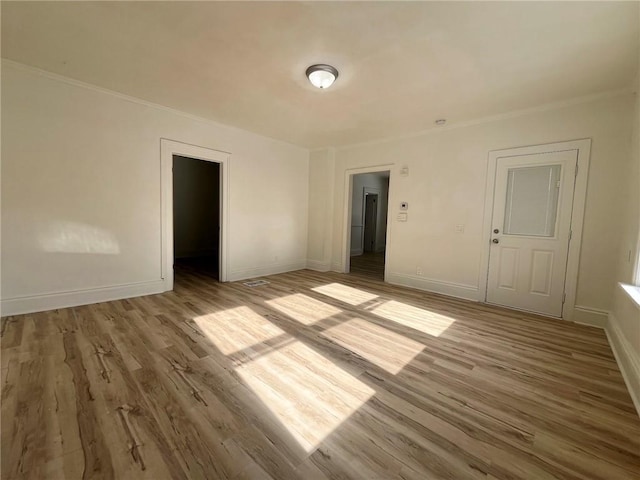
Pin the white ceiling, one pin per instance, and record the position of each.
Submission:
(402, 64)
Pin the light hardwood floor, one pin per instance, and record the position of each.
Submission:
(311, 376)
(368, 264)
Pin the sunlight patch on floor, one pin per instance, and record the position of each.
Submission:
(350, 295)
(309, 394)
(303, 308)
(380, 346)
(237, 329)
(417, 318)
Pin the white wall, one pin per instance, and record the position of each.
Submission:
(623, 329)
(624, 318)
(81, 192)
(321, 199)
(379, 182)
(446, 187)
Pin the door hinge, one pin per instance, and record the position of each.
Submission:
(564, 297)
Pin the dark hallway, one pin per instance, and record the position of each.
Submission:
(196, 216)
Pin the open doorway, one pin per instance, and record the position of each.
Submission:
(370, 195)
(196, 216)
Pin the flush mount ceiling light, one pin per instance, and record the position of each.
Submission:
(322, 76)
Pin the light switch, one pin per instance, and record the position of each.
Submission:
(402, 217)
(460, 228)
(404, 171)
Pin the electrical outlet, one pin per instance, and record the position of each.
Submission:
(418, 270)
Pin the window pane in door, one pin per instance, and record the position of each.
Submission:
(532, 201)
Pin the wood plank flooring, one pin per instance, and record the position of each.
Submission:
(313, 376)
(369, 264)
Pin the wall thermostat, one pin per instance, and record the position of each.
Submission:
(404, 205)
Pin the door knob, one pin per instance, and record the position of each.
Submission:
(495, 240)
(495, 230)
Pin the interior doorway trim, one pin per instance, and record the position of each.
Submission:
(348, 205)
(169, 148)
(583, 148)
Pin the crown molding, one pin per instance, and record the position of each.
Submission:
(128, 98)
(432, 130)
(493, 118)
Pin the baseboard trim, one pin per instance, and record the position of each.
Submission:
(451, 289)
(318, 265)
(590, 316)
(52, 301)
(337, 267)
(355, 253)
(266, 270)
(627, 360)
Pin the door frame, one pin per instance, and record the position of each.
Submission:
(169, 148)
(348, 205)
(583, 148)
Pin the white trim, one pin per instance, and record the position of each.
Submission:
(272, 269)
(169, 148)
(345, 251)
(336, 267)
(490, 118)
(627, 360)
(583, 147)
(451, 289)
(318, 265)
(590, 316)
(632, 291)
(74, 298)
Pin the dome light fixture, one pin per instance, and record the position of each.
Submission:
(322, 76)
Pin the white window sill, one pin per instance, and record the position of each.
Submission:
(633, 292)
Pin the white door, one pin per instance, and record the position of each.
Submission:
(531, 228)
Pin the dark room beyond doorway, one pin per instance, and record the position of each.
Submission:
(196, 216)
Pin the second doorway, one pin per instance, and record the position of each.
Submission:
(369, 224)
(196, 216)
